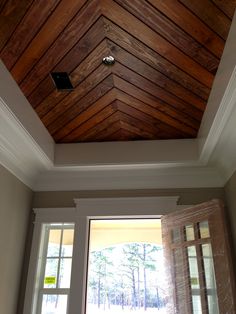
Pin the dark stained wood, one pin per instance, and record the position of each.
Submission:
(162, 25)
(64, 42)
(139, 105)
(122, 135)
(11, 14)
(131, 127)
(156, 126)
(155, 60)
(103, 114)
(105, 128)
(167, 54)
(185, 19)
(2, 4)
(227, 6)
(155, 41)
(85, 47)
(92, 103)
(156, 77)
(89, 83)
(150, 87)
(154, 102)
(48, 33)
(209, 14)
(105, 135)
(35, 17)
(143, 129)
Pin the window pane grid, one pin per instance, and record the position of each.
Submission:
(55, 267)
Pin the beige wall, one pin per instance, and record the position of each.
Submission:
(15, 204)
(230, 193)
(187, 196)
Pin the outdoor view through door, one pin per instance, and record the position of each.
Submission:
(126, 267)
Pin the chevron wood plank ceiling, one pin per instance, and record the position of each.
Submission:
(167, 54)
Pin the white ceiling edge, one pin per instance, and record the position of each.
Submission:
(16, 109)
(110, 179)
(29, 152)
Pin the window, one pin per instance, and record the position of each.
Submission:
(54, 268)
(195, 249)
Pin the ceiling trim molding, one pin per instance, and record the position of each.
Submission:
(19, 152)
(29, 152)
(170, 177)
(224, 112)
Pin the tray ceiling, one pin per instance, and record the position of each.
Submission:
(166, 52)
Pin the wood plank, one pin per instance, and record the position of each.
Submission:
(105, 128)
(122, 135)
(134, 26)
(107, 133)
(139, 127)
(169, 30)
(192, 115)
(48, 33)
(82, 89)
(135, 130)
(151, 88)
(67, 99)
(26, 30)
(154, 76)
(139, 105)
(2, 4)
(163, 130)
(11, 14)
(138, 49)
(96, 100)
(61, 46)
(210, 14)
(227, 6)
(100, 116)
(82, 60)
(185, 19)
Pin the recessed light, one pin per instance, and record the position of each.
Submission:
(62, 81)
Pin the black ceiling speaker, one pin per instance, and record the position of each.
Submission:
(62, 81)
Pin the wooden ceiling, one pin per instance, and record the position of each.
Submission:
(167, 54)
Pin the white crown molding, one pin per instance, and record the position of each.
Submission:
(27, 149)
(168, 177)
(224, 112)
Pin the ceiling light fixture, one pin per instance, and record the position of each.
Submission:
(108, 60)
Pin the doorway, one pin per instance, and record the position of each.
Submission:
(126, 271)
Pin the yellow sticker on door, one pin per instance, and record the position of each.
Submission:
(194, 281)
(50, 280)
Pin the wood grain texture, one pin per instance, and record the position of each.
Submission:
(85, 57)
(154, 102)
(35, 17)
(137, 48)
(166, 52)
(73, 97)
(227, 6)
(210, 14)
(11, 14)
(48, 33)
(168, 30)
(134, 26)
(89, 105)
(156, 77)
(84, 127)
(150, 87)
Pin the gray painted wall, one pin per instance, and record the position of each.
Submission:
(230, 193)
(15, 204)
(187, 196)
